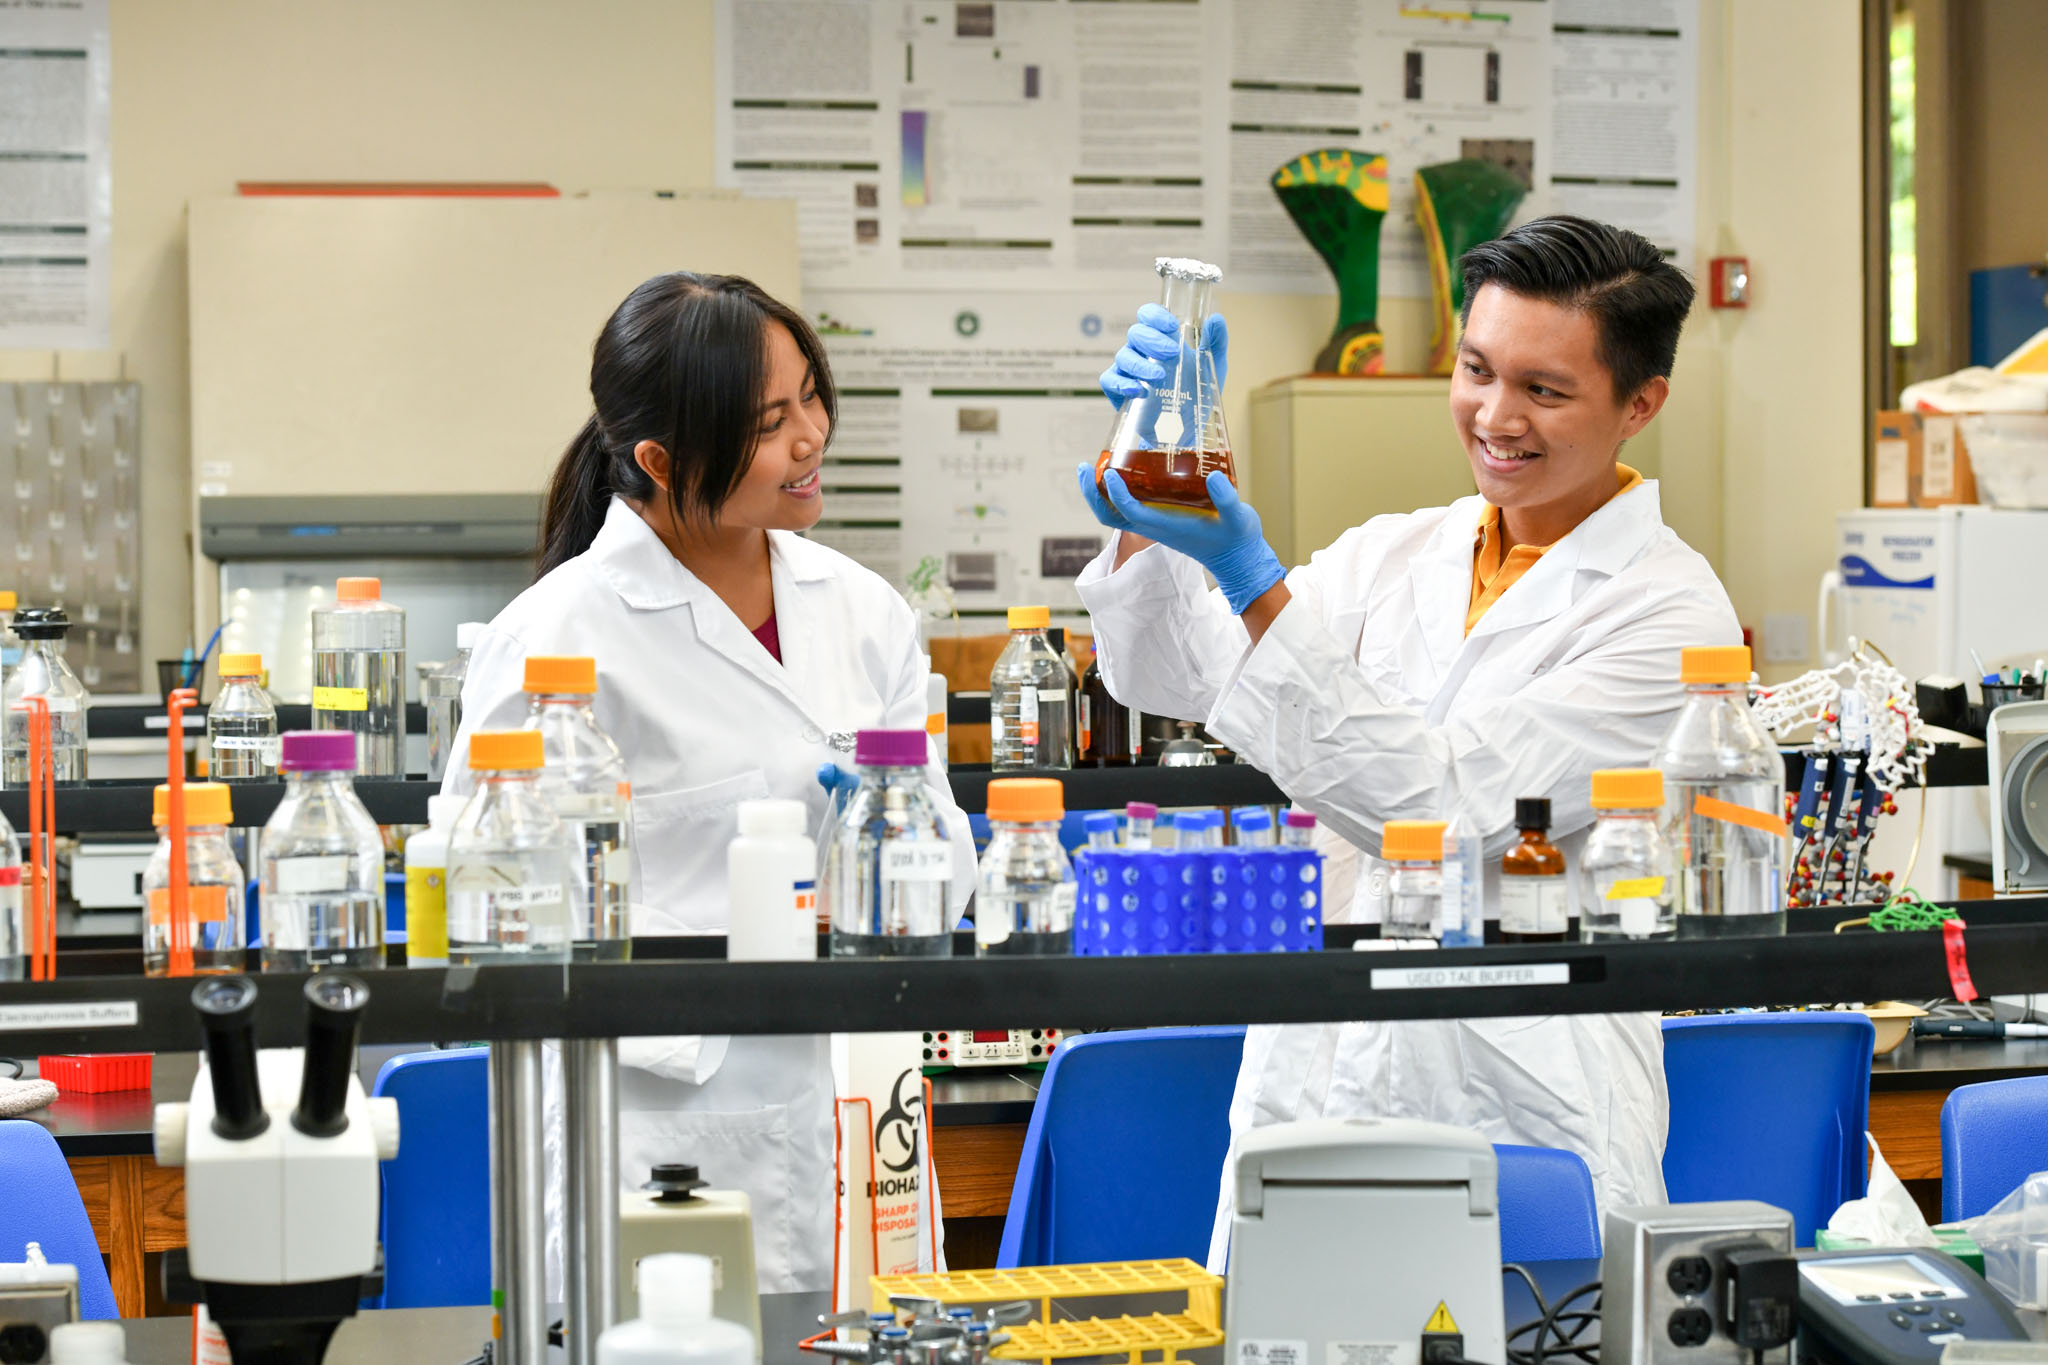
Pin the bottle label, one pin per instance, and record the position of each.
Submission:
(1451, 919)
(341, 699)
(1027, 716)
(916, 860)
(527, 897)
(311, 874)
(10, 876)
(241, 742)
(1533, 905)
(207, 905)
(1087, 720)
(1635, 888)
(807, 900)
(426, 912)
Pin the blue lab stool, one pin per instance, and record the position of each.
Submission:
(1547, 1208)
(1124, 1156)
(1770, 1107)
(436, 1216)
(42, 1206)
(1993, 1136)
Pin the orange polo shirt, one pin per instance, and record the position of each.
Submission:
(1492, 575)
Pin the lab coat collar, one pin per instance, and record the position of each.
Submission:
(1604, 543)
(631, 558)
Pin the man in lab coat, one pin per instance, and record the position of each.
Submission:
(1452, 658)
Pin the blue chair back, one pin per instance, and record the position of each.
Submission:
(1547, 1209)
(1124, 1156)
(436, 1219)
(42, 1206)
(1993, 1136)
(1770, 1107)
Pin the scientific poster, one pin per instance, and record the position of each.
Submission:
(1625, 103)
(56, 174)
(953, 143)
(1417, 81)
(962, 417)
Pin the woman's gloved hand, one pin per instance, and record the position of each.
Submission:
(836, 781)
(1152, 344)
(1230, 545)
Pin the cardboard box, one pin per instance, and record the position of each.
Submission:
(1918, 459)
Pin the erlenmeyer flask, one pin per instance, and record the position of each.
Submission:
(1166, 441)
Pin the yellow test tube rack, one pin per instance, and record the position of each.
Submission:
(1154, 1339)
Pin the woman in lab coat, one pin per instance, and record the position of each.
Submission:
(1454, 658)
(734, 658)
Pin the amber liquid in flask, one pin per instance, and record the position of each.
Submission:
(1165, 442)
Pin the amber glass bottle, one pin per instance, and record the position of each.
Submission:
(1535, 901)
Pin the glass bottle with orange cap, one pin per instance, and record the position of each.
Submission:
(584, 779)
(512, 886)
(1724, 784)
(1414, 852)
(359, 674)
(241, 725)
(213, 880)
(10, 643)
(1030, 714)
(1626, 877)
(1025, 905)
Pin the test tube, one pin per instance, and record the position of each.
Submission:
(1254, 826)
(1191, 830)
(1212, 829)
(1101, 827)
(1138, 820)
(1296, 829)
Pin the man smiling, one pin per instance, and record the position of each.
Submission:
(1448, 661)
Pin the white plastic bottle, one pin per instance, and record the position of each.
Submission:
(771, 885)
(675, 1326)
(426, 885)
(88, 1343)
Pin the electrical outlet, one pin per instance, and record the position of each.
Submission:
(1785, 638)
(1663, 1274)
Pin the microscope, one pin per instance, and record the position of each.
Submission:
(281, 1197)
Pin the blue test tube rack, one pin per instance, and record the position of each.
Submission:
(1140, 902)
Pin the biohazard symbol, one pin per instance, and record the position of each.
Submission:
(896, 1131)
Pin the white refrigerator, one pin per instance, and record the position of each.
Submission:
(1927, 586)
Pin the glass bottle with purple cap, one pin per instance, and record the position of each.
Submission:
(888, 863)
(323, 862)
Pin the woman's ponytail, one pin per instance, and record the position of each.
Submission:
(579, 495)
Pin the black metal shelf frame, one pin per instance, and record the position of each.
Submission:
(107, 1014)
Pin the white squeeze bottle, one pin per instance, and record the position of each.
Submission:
(675, 1326)
(88, 1343)
(771, 885)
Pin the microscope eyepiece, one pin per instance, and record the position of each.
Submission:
(334, 1015)
(227, 1017)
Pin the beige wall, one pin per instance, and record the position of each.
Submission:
(617, 94)
(2001, 112)
(602, 94)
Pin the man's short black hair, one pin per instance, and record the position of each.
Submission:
(1637, 299)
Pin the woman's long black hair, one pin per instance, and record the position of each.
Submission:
(683, 362)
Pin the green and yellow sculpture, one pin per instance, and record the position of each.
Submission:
(1338, 199)
(1458, 204)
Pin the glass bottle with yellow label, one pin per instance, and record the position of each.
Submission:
(359, 674)
(1626, 876)
(213, 882)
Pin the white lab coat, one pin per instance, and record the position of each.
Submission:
(1366, 702)
(705, 719)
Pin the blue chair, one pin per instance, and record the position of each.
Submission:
(1547, 1209)
(436, 1218)
(1993, 1136)
(42, 1206)
(1124, 1155)
(1770, 1107)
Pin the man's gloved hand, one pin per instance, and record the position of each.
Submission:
(1152, 344)
(1230, 545)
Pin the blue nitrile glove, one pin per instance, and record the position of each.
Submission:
(836, 781)
(1230, 545)
(1152, 344)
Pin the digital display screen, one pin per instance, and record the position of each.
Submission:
(991, 1035)
(1880, 1275)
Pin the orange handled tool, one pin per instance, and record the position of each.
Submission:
(174, 830)
(42, 842)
